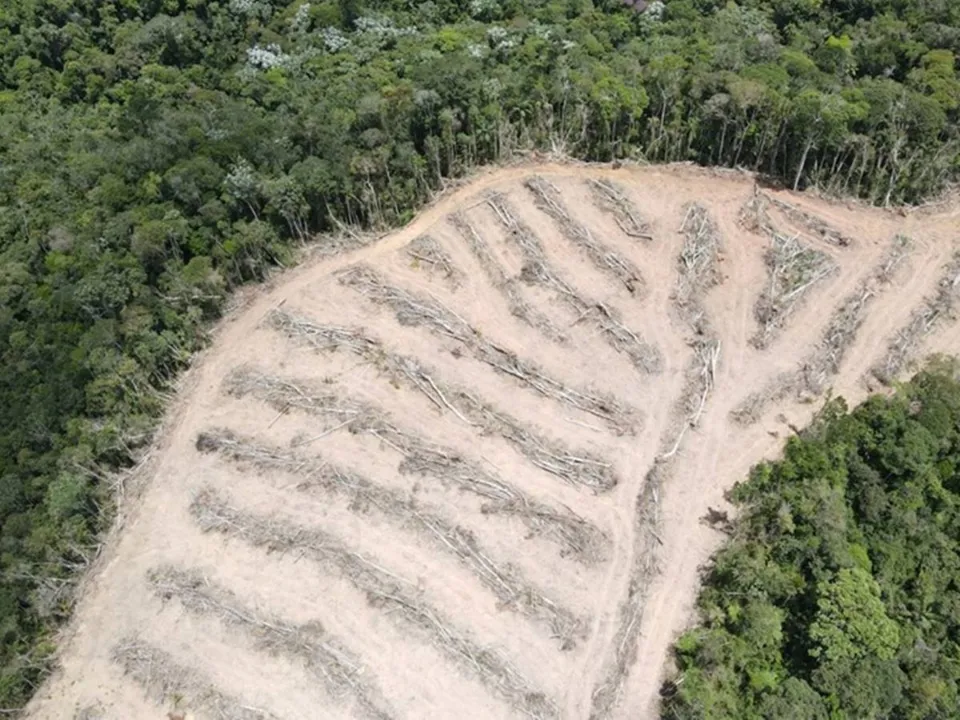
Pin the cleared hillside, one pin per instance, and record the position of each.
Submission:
(461, 472)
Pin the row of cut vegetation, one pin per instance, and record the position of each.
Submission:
(537, 269)
(418, 311)
(824, 362)
(574, 535)
(397, 597)
(513, 591)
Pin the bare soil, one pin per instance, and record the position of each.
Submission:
(460, 473)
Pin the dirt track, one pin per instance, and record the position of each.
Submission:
(466, 533)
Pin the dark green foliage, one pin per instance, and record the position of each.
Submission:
(155, 153)
(839, 594)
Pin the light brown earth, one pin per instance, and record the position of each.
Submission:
(246, 649)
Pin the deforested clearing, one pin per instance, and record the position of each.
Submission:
(461, 472)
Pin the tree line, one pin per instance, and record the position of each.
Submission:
(156, 153)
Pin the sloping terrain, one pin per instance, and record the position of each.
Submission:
(463, 472)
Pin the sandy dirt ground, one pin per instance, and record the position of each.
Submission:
(462, 472)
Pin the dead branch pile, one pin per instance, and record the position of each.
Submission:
(513, 591)
(548, 198)
(923, 321)
(576, 536)
(285, 394)
(410, 309)
(90, 712)
(817, 369)
(538, 270)
(698, 265)
(755, 216)
(396, 596)
(579, 468)
(811, 222)
(426, 251)
(414, 310)
(847, 319)
(646, 565)
(647, 519)
(610, 197)
(794, 270)
(341, 672)
(507, 286)
(163, 678)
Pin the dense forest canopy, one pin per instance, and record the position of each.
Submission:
(155, 153)
(839, 594)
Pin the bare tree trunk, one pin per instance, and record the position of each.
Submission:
(803, 163)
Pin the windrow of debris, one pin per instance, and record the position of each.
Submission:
(579, 468)
(418, 311)
(508, 287)
(612, 198)
(538, 270)
(620, 268)
(576, 537)
(397, 597)
(815, 372)
(426, 252)
(513, 591)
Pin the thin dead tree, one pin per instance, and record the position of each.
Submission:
(576, 537)
(397, 597)
(513, 591)
(163, 678)
(548, 198)
(612, 198)
(508, 287)
(342, 673)
(417, 311)
(538, 270)
(579, 468)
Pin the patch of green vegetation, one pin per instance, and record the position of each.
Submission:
(838, 595)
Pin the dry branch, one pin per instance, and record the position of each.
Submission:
(818, 226)
(341, 672)
(507, 286)
(163, 678)
(755, 216)
(548, 198)
(698, 271)
(794, 269)
(415, 310)
(514, 592)
(394, 595)
(425, 251)
(537, 270)
(579, 468)
(646, 563)
(922, 322)
(824, 362)
(609, 690)
(696, 274)
(576, 536)
(611, 198)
